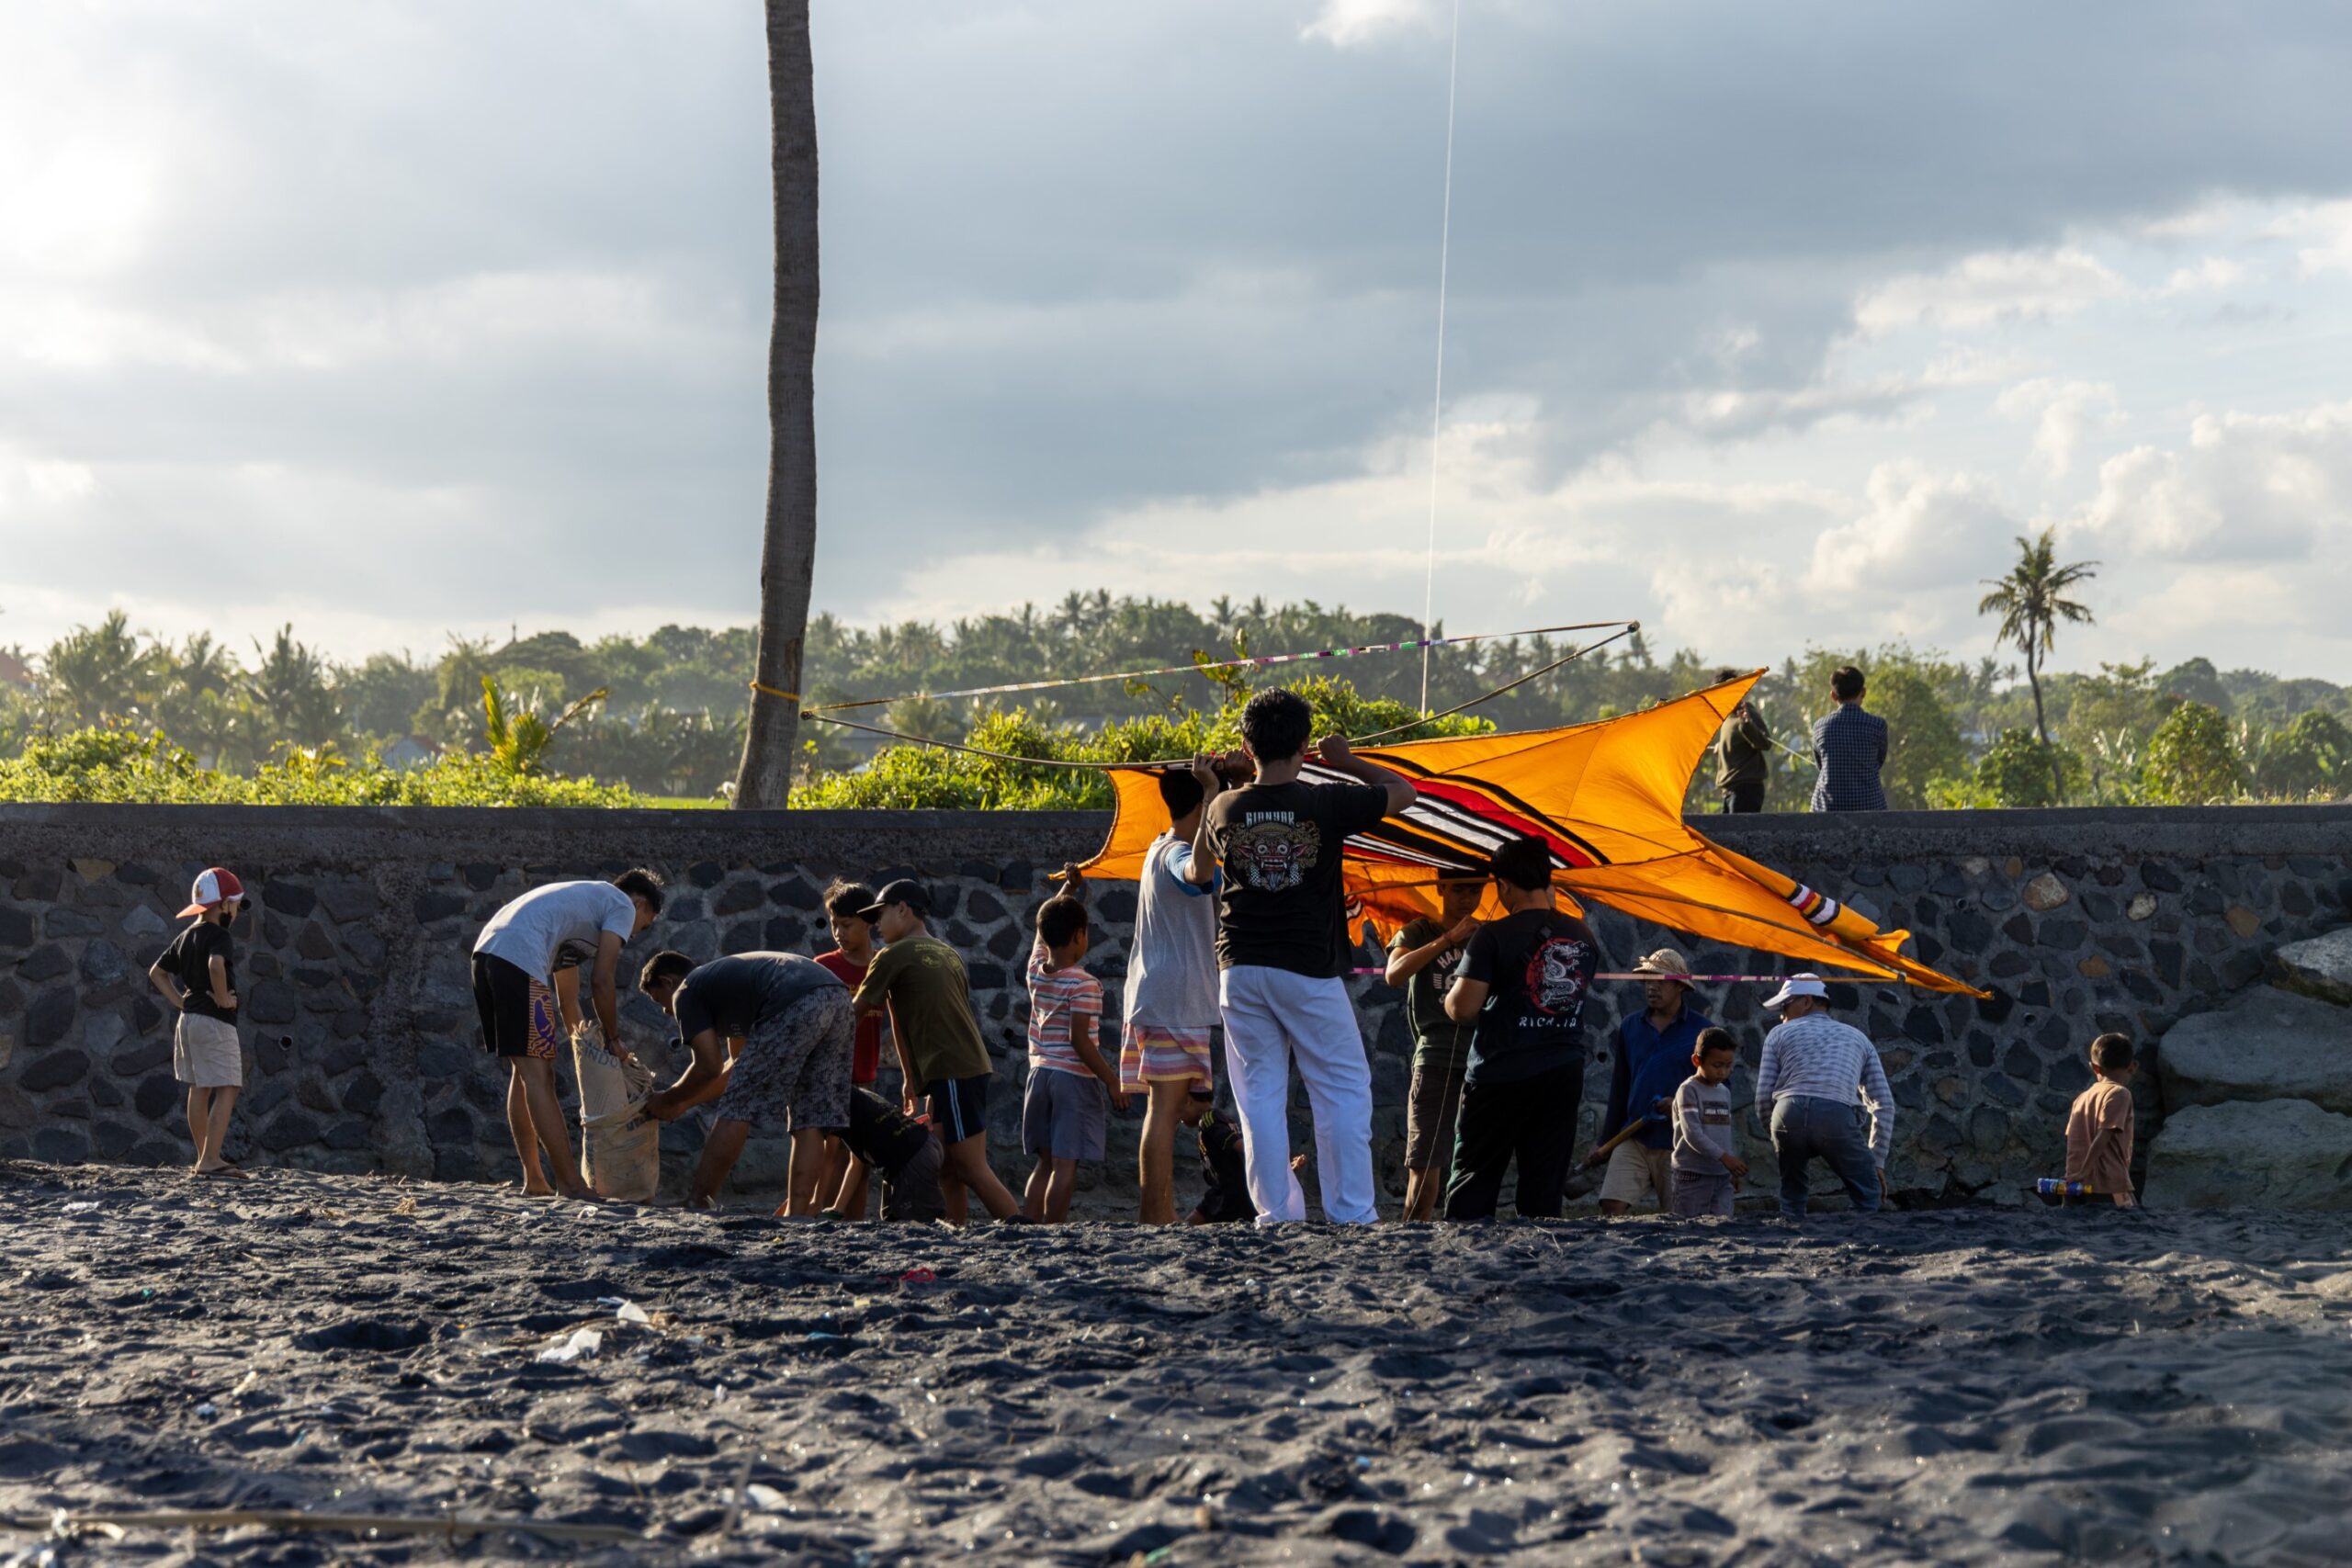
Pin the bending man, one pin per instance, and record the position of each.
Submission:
(526, 988)
(793, 1019)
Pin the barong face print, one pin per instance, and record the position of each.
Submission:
(1273, 855)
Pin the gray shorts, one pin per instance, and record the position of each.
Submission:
(913, 1196)
(794, 1072)
(207, 1053)
(1696, 1193)
(1065, 1115)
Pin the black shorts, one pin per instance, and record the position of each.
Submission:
(518, 1013)
(1219, 1207)
(959, 1107)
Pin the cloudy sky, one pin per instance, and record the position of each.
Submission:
(1768, 325)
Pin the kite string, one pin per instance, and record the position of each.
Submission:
(1252, 661)
(1437, 394)
(1626, 629)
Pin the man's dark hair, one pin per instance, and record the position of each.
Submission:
(1525, 863)
(666, 964)
(1059, 919)
(2112, 1053)
(850, 898)
(1846, 683)
(1713, 1039)
(1178, 791)
(640, 883)
(1276, 723)
(1724, 675)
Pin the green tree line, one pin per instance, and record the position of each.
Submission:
(668, 721)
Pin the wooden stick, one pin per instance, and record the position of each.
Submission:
(296, 1519)
(1636, 1125)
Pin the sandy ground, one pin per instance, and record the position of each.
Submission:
(1957, 1386)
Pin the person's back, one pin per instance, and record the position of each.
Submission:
(1849, 748)
(1274, 848)
(2101, 1123)
(1816, 1081)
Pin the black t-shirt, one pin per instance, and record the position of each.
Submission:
(881, 1134)
(1225, 1183)
(731, 995)
(191, 957)
(1280, 905)
(1538, 965)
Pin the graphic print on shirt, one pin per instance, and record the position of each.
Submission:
(1555, 976)
(1273, 852)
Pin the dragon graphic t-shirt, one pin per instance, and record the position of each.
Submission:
(1280, 905)
(1538, 966)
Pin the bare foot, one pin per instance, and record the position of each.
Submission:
(538, 1189)
(224, 1169)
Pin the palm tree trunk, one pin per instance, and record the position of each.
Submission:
(788, 555)
(2041, 727)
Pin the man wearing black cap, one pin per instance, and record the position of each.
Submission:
(922, 981)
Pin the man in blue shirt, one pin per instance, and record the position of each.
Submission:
(1849, 748)
(1654, 1048)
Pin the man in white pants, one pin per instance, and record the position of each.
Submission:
(1282, 951)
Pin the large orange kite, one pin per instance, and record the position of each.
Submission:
(1608, 798)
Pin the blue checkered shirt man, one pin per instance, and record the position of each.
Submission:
(1848, 747)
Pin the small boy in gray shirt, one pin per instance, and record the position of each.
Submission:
(1706, 1170)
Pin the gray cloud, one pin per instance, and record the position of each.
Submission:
(486, 287)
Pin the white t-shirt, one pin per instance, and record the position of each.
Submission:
(557, 926)
(1171, 964)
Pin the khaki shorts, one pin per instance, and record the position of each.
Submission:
(206, 1053)
(1636, 1172)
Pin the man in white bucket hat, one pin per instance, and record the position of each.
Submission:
(1818, 1078)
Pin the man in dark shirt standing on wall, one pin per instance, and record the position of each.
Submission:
(1850, 745)
(1523, 979)
(1743, 754)
(1282, 949)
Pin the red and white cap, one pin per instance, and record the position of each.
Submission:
(218, 886)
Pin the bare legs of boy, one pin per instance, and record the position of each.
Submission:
(966, 1170)
(208, 1128)
(724, 1147)
(1156, 1155)
(1046, 1198)
(535, 1118)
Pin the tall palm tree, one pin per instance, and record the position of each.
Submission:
(788, 556)
(2031, 602)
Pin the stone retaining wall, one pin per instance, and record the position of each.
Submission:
(364, 1047)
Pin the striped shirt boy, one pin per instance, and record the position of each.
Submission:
(1055, 998)
(1817, 1058)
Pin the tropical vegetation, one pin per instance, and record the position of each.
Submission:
(109, 712)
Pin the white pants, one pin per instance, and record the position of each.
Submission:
(1272, 1015)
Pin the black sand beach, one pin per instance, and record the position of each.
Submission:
(1971, 1385)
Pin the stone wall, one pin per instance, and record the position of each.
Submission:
(363, 1046)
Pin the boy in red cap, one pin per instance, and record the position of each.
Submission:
(197, 975)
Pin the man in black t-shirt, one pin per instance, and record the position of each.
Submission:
(1524, 980)
(1281, 949)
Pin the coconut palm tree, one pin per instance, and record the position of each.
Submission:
(2031, 602)
(788, 555)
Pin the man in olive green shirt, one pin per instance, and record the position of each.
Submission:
(1743, 754)
(921, 980)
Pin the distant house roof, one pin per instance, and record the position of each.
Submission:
(12, 672)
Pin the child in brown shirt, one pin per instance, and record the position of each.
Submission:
(2099, 1127)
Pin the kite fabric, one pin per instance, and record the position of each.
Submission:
(1607, 796)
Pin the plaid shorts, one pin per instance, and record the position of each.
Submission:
(1151, 1053)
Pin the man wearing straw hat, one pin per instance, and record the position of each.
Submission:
(1818, 1078)
(1654, 1050)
